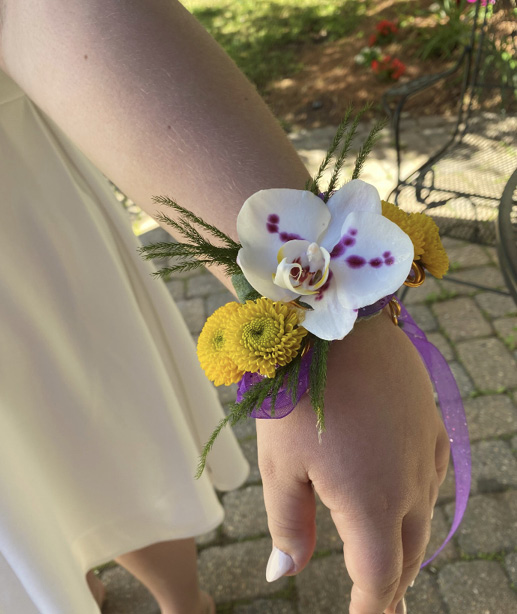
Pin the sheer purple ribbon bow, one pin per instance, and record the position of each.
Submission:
(449, 399)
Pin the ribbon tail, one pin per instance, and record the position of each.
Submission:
(453, 414)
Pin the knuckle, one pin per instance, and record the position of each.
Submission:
(268, 468)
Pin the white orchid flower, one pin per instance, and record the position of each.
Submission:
(337, 257)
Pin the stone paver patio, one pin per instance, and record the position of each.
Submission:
(477, 571)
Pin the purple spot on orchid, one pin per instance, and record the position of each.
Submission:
(389, 261)
(289, 236)
(355, 262)
(324, 287)
(375, 262)
(338, 250)
(386, 254)
(272, 228)
(340, 247)
(352, 231)
(273, 218)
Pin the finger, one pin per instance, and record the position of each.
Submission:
(416, 531)
(442, 453)
(373, 557)
(291, 511)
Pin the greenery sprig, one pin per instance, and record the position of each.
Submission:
(198, 251)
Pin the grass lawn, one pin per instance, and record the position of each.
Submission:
(263, 36)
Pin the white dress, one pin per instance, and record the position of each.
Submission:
(103, 407)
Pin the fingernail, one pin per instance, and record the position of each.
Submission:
(278, 565)
(401, 607)
(432, 514)
(412, 584)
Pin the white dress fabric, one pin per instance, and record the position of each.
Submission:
(103, 406)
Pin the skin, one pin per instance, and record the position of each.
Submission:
(160, 109)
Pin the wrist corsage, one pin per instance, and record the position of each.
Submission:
(308, 264)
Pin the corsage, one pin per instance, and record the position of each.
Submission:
(306, 266)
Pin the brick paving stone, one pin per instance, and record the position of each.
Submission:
(269, 606)
(245, 513)
(227, 394)
(469, 255)
(238, 571)
(477, 587)
(249, 448)
(215, 301)
(451, 243)
(424, 597)
(125, 594)
(488, 276)
(430, 289)
(490, 416)
(461, 319)
(489, 524)
(513, 443)
(489, 363)
(440, 527)
(207, 539)
(176, 287)
(156, 235)
(494, 467)
(492, 252)
(496, 305)
(507, 330)
(442, 344)
(245, 429)
(510, 562)
(203, 285)
(465, 384)
(423, 317)
(327, 537)
(193, 312)
(324, 586)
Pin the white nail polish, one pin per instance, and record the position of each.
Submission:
(401, 607)
(432, 514)
(412, 584)
(278, 565)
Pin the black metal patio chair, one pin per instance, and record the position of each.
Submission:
(461, 184)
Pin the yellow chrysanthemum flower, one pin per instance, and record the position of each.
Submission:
(424, 234)
(435, 257)
(264, 334)
(212, 347)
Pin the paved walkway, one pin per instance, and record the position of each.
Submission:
(477, 572)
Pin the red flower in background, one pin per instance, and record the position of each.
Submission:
(372, 39)
(386, 28)
(388, 68)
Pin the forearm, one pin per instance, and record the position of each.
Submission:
(150, 97)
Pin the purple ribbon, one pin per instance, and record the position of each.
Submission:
(449, 398)
(453, 415)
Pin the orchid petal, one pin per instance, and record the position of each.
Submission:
(261, 278)
(377, 264)
(329, 319)
(296, 214)
(356, 195)
(266, 221)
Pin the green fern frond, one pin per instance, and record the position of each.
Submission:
(312, 185)
(367, 146)
(194, 219)
(349, 137)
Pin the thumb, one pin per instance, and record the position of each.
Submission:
(291, 511)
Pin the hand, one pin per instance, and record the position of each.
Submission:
(378, 468)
